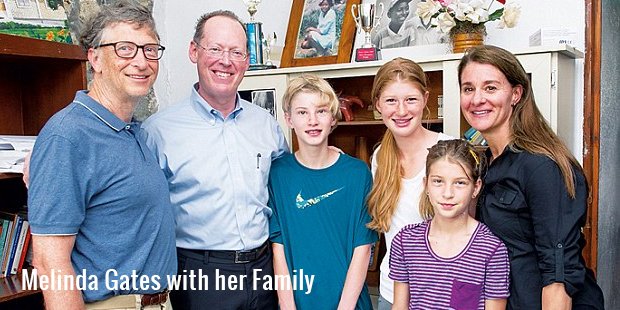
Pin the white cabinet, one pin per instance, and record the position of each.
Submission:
(551, 70)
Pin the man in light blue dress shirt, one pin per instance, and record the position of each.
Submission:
(216, 151)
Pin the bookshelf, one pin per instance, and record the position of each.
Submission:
(37, 79)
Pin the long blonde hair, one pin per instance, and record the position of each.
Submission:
(383, 197)
(457, 151)
(529, 129)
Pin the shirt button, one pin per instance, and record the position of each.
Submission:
(127, 127)
(559, 246)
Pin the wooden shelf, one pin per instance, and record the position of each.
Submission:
(11, 288)
(17, 46)
(380, 122)
(37, 79)
(10, 175)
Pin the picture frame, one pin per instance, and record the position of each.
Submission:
(413, 32)
(304, 14)
(266, 99)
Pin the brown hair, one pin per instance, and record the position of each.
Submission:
(385, 192)
(529, 129)
(456, 151)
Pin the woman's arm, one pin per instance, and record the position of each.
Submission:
(401, 296)
(356, 275)
(556, 220)
(495, 304)
(285, 296)
(554, 297)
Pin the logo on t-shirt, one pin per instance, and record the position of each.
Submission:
(304, 203)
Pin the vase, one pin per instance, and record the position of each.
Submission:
(462, 41)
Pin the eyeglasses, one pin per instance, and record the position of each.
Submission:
(129, 50)
(217, 52)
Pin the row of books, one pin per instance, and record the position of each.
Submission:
(14, 242)
(474, 137)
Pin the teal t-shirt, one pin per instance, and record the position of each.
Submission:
(320, 217)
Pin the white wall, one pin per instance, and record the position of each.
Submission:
(176, 21)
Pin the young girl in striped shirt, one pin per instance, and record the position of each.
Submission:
(449, 261)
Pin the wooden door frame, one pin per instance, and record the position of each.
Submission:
(591, 124)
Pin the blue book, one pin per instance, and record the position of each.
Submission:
(14, 242)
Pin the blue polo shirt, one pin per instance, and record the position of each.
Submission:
(93, 177)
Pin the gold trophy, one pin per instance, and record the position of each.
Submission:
(366, 18)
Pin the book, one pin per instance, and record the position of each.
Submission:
(20, 247)
(25, 251)
(6, 269)
(4, 227)
(6, 251)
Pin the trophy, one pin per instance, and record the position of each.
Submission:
(269, 42)
(366, 18)
(254, 32)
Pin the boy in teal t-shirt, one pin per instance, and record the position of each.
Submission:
(318, 199)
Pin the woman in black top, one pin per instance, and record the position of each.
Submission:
(535, 193)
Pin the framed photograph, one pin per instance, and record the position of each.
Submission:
(319, 32)
(265, 99)
(399, 26)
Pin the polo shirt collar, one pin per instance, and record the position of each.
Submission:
(206, 110)
(103, 114)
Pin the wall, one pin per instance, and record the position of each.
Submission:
(609, 182)
(176, 21)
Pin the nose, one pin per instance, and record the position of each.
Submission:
(312, 119)
(402, 108)
(140, 60)
(478, 97)
(447, 192)
(225, 59)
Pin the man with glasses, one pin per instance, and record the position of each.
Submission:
(99, 205)
(216, 150)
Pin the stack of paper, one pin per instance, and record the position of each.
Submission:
(13, 150)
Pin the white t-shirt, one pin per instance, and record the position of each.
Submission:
(407, 212)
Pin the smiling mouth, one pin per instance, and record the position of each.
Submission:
(402, 122)
(222, 75)
(140, 77)
(314, 132)
(480, 112)
(447, 205)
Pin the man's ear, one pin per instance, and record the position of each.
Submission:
(94, 58)
(193, 52)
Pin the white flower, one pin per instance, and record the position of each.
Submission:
(479, 15)
(427, 9)
(444, 22)
(509, 19)
(461, 9)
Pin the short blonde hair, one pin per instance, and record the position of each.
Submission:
(311, 83)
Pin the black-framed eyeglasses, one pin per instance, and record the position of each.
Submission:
(218, 52)
(129, 50)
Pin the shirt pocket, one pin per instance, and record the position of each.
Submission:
(508, 213)
(261, 176)
(465, 296)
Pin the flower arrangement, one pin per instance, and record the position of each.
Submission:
(467, 16)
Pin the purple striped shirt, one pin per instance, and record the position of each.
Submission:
(465, 281)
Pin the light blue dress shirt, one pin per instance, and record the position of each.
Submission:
(217, 171)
